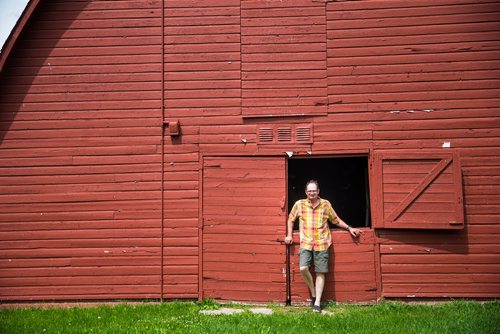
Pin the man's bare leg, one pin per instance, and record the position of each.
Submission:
(306, 275)
(320, 285)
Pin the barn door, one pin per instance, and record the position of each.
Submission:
(418, 190)
(244, 220)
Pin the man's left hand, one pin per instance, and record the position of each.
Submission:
(355, 232)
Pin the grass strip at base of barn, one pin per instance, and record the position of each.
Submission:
(186, 317)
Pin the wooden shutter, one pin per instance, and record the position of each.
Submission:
(420, 190)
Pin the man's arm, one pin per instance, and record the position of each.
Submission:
(334, 218)
(353, 231)
(291, 218)
(289, 234)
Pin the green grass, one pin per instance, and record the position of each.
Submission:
(183, 317)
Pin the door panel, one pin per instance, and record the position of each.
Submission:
(352, 272)
(243, 222)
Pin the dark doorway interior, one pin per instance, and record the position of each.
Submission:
(342, 180)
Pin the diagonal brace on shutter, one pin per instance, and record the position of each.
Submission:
(403, 205)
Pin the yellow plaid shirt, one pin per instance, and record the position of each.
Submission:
(313, 222)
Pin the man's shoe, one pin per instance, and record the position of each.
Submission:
(313, 301)
(316, 309)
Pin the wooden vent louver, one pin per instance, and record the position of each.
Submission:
(303, 135)
(266, 135)
(285, 135)
(279, 134)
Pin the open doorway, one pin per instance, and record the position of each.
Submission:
(342, 180)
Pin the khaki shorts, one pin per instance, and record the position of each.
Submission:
(320, 259)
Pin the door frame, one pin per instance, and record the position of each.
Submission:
(369, 153)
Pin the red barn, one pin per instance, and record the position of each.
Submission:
(153, 148)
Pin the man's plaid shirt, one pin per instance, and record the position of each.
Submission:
(314, 230)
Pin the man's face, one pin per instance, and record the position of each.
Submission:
(312, 192)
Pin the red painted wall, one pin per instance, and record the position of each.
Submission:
(80, 161)
(81, 100)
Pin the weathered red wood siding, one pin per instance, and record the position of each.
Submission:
(419, 74)
(80, 162)
(283, 48)
(81, 134)
(202, 64)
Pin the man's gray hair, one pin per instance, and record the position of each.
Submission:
(312, 182)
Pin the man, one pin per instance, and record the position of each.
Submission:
(315, 239)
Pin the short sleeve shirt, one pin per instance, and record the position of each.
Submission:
(313, 223)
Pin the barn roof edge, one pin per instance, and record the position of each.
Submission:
(17, 31)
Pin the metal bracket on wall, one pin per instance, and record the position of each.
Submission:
(174, 127)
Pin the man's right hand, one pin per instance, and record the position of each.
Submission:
(288, 240)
